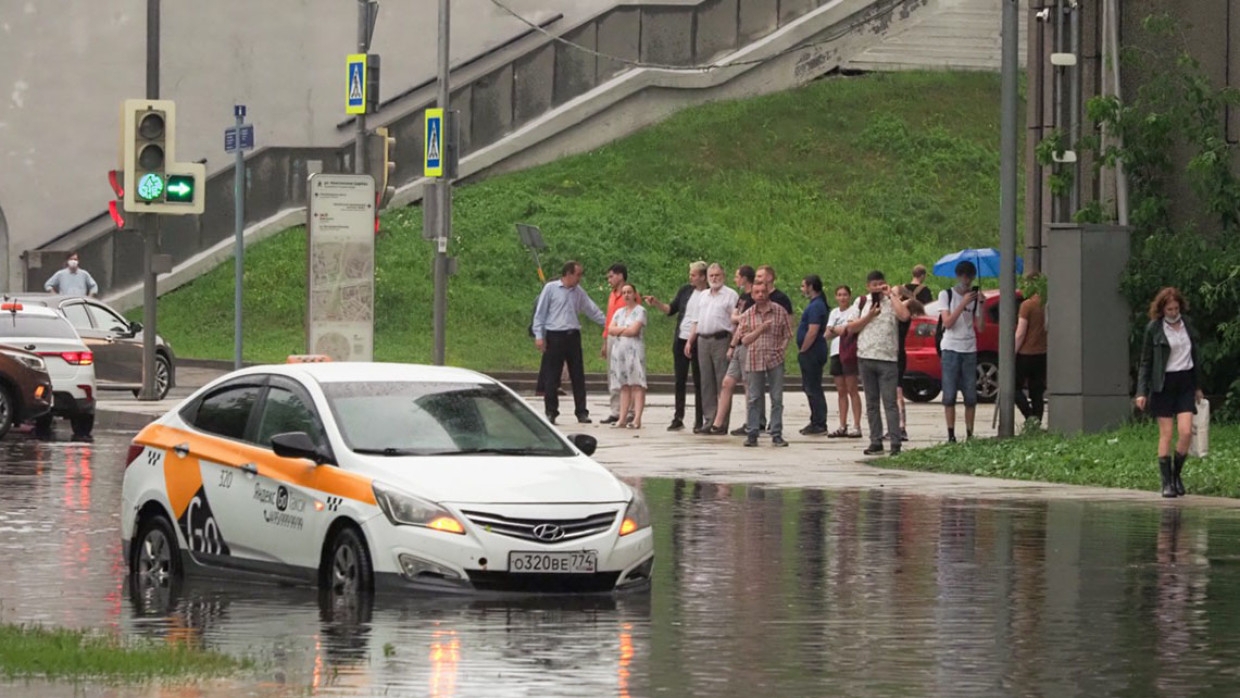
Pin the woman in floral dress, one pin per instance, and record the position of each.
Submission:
(627, 361)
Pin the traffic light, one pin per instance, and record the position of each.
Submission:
(153, 180)
(148, 135)
(380, 147)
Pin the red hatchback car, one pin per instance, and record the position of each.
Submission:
(924, 375)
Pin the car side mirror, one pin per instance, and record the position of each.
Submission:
(585, 443)
(135, 327)
(297, 444)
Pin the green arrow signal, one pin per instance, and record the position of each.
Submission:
(180, 188)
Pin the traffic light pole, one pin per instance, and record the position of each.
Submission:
(363, 46)
(150, 221)
(444, 192)
(1008, 131)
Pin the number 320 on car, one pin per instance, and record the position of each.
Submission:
(582, 562)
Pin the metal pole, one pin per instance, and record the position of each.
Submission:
(1035, 58)
(1008, 213)
(150, 222)
(1074, 107)
(1057, 200)
(363, 46)
(239, 231)
(1121, 178)
(445, 197)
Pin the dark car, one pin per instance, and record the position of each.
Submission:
(25, 387)
(116, 342)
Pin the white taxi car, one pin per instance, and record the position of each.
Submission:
(357, 475)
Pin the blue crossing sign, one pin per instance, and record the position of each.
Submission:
(355, 91)
(242, 138)
(433, 160)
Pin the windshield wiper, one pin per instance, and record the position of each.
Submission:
(501, 452)
(389, 451)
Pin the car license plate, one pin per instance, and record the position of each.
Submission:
(558, 562)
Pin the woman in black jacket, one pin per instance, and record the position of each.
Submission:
(1168, 382)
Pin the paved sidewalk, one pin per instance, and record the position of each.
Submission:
(816, 462)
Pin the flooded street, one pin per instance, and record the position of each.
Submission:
(757, 592)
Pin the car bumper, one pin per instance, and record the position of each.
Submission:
(412, 558)
(36, 404)
(67, 405)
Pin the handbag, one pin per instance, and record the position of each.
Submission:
(1199, 447)
(848, 348)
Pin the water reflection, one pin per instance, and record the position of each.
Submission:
(756, 592)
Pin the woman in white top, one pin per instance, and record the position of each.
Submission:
(1169, 381)
(844, 368)
(626, 369)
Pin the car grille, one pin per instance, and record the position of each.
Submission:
(544, 583)
(524, 528)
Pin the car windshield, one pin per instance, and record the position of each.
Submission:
(413, 418)
(35, 326)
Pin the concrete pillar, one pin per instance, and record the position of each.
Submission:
(1088, 327)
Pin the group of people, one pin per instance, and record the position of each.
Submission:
(727, 338)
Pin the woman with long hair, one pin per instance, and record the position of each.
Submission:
(627, 362)
(843, 363)
(1168, 382)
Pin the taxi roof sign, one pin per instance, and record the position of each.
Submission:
(308, 358)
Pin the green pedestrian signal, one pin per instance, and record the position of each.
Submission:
(180, 189)
(150, 187)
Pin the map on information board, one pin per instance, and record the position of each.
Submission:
(341, 267)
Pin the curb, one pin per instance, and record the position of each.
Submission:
(119, 420)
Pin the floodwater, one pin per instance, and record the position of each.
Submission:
(757, 592)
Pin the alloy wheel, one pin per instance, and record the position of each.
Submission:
(987, 380)
(345, 570)
(155, 560)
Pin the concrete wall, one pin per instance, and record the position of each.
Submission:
(532, 101)
(65, 66)
(1211, 30)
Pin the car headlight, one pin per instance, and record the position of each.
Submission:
(33, 362)
(406, 510)
(637, 516)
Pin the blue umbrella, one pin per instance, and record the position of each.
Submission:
(986, 260)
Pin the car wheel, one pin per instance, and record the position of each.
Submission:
(987, 378)
(155, 564)
(163, 377)
(8, 410)
(921, 391)
(349, 571)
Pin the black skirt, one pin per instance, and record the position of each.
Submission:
(1179, 395)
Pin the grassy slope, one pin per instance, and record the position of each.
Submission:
(71, 654)
(1122, 458)
(837, 178)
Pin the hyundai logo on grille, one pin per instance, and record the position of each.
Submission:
(548, 532)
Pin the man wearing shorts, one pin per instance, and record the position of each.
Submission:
(962, 320)
(735, 375)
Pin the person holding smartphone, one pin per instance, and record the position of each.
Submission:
(876, 327)
(962, 319)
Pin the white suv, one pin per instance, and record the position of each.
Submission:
(70, 364)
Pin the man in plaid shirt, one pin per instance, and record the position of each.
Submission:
(765, 331)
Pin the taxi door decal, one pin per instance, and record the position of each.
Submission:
(198, 525)
(188, 499)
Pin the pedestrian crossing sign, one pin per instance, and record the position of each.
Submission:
(355, 94)
(433, 162)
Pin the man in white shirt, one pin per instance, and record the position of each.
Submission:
(710, 331)
(962, 318)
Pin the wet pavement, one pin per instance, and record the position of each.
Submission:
(757, 591)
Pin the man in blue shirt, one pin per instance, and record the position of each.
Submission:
(557, 334)
(812, 353)
(72, 281)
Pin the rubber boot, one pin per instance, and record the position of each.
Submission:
(1175, 473)
(1164, 469)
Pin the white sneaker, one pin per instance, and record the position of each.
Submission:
(854, 433)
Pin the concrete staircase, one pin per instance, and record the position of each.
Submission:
(955, 35)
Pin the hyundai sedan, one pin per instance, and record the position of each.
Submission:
(354, 476)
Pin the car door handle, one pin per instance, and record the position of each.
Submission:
(250, 468)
